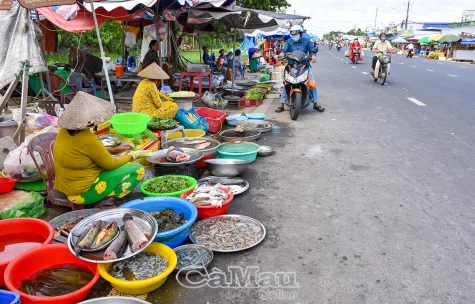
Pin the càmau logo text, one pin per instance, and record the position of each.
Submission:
(237, 277)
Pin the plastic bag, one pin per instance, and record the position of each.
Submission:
(191, 120)
(19, 164)
(214, 101)
(347, 53)
(30, 206)
(45, 121)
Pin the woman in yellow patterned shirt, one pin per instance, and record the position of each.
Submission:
(147, 97)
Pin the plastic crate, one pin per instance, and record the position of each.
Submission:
(214, 118)
(243, 102)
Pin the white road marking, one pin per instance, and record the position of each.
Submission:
(341, 59)
(440, 63)
(401, 63)
(417, 102)
(365, 73)
(346, 62)
(353, 67)
(413, 66)
(462, 67)
(430, 70)
(452, 75)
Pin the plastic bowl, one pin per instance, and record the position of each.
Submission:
(191, 133)
(6, 184)
(176, 194)
(209, 211)
(130, 123)
(24, 225)
(246, 151)
(174, 237)
(8, 297)
(256, 116)
(201, 163)
(147, 285)
(233, 119)
(47, 256)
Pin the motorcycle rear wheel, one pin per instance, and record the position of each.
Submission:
(384, 75)
(296, 105)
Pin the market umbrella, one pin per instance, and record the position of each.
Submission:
(449, 38)
(425, 40)
(435, 38)
(399, 40)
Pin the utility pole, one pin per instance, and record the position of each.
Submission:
(407, 13)
(375, 18)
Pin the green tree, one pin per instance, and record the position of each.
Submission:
(358, 32)
(267, 5)
(333, 35)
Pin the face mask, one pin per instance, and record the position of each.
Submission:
(383, 39)
(295, 37)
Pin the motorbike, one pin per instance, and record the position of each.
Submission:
(410, 53)
(381, 70)
(356, 55)
(295, 82)
(338, 47)
(330, 46)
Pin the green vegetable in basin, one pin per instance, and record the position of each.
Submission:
(167, 184)
(158, 123)
(254, 94)
(264, 78)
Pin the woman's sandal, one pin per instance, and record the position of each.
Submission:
(280, 110)
(319, 108)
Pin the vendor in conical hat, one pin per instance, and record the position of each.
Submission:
(255, 64)
(85, 170)
(147, 97)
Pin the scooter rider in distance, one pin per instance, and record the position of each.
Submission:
(380, 46)
(297, 42)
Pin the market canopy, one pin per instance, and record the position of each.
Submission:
(399, 40)
(449, 39)
(435, 38)
(468, 41)
(425, 40)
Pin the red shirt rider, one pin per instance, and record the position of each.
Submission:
(355, 43)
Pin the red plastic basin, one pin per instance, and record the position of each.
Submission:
(6, 184)
(209, 211)
(24, 225)
(47, 256)
(201, 163)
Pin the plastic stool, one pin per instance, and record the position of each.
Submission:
(200, 76)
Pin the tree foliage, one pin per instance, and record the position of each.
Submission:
(358, 32)
(267, 5)
(333, 35)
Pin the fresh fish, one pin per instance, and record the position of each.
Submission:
(111, 231)
(88, 237)
(168, 219)
(192, 257)
(135, 237)
(100, 236)
(194, 142)
(223, 181)
(208, 196)
(202, 146)
(176, 155)
(139, 267)
(116, 248)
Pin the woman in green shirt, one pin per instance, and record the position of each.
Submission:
(86, 172)
(255, 64)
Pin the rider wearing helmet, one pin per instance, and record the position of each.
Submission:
(355, 44)
(380, 46)
(297, 42)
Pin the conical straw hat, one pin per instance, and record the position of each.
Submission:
(153, 71)
(256, 55)
(84, 111)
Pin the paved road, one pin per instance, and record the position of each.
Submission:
(369, 202)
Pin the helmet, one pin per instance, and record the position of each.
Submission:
(296, 29)
(220, 60)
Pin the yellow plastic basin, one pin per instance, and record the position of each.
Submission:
(188, 133)
(142, 286)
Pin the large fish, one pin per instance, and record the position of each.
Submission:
(136, 238)
(88, 237)
(111, 231)
(116, 248)
(176, 155)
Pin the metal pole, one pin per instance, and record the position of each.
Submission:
(103, 55)
(234, 57)
(24, 99)
(199, 45)
(407, 14)
(375, 18)
(42, 47)
(157, 18)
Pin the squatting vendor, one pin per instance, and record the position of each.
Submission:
(86, 172)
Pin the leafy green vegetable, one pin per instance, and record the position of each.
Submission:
(264, 78)
(167, 184)
(158, 123)
(30, 206)
(254, 94)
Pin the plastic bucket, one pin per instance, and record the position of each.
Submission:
(43, 257)
(8, 297)
(119, 70)
(24, 225)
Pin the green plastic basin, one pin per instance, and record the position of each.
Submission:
(175, 194)
(246, 151)
(130, 123)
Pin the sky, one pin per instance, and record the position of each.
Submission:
(328, 15)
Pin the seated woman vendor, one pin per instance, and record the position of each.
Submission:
(147, 97)
(85, 170)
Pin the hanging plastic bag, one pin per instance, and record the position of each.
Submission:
(30, 206)
(191, 120)
(347, 53)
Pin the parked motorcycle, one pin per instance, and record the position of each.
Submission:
(410, 53)
(356, 55)
(381, 71)
(295, 82)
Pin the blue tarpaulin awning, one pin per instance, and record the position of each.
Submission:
(435, 25)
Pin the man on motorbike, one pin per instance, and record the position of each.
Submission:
(410, 48)
(297, 42)
(380, 46)
(355, 44)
